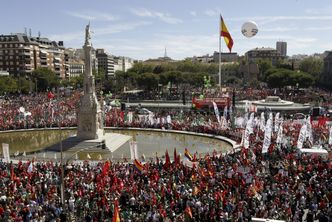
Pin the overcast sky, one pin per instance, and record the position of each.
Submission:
(141, 29)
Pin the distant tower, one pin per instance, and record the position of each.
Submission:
(165, 54)
(90, 122)
(282, 48)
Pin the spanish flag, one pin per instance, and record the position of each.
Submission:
(116, 214)
(188, 155)
(138, 166)
(224, 32)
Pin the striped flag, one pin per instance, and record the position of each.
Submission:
(188, 155)
(138, 166)
(224, 33)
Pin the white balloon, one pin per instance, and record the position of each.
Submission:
(249, 29)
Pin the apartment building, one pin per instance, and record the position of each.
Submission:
(264, 53)
(21, 54)
(105, 63)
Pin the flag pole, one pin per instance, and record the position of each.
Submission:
(219, 36)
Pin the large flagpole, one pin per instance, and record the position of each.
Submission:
(219, 36)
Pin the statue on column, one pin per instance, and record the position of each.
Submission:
(87, 34)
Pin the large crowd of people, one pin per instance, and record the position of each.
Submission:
(281, 184)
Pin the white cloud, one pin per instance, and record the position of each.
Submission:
(210, 12)
(93, 16)
(193, 13)
(111, 29)
(165, 17)
(326, 10)
(262, 20)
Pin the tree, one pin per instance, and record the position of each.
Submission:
(278, 78)
(148, 81)
(264, 65)
(46, 78)
(8, 85)
(313, 66)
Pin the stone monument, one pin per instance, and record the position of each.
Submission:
(90, 118)
(90, 130)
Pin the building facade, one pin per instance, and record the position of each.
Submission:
(105, 63)
(263, 53)
(225, 57)
(21, 54)
(282, 48)
(122, 63)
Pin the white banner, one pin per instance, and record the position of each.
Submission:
(262, 122)
(216, 111)
(5, 151)
(276, 122)
(169, 119)
(330, 136)
(130, 117)
(302, 136)
(225, 112)
(279, 135)
(309, 131)
(267, 135)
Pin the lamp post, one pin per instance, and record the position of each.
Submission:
(62, 185)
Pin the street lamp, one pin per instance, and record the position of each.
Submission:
(62, 184)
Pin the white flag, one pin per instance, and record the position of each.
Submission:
(130, 117)
(5, 151)
(276, 122)
(309, 131)
(267, 135)
(302, 136)
(216, 111)
(225, 112)
(30, 168)
(262, 122)
(169, 119)
(279, 135)
(330, 136)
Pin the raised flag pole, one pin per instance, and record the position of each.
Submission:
(219, 36)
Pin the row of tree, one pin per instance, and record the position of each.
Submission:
(151, 76)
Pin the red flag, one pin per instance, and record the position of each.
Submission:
(227, 36)
(50, 95)
(168, 160)
(106, 168)
(175, 157)
(188, 212)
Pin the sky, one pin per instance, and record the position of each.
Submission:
(142, 29)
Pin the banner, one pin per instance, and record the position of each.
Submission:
(5, 151)
(309, 131)
(267, 135)
(262, 122)
(276, 122)
(302, 136)
(216, 111)
(279, 135)
(130, 117)
(225, 112)
(330, 136)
